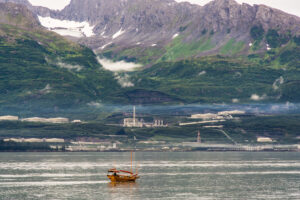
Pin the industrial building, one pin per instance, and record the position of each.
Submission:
(140, 123)
(9, 118)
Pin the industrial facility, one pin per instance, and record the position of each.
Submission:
(140, 123)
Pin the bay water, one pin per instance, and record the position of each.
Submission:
(164, 175)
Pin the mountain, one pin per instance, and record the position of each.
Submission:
(40, 68)
(203, 56)
(150, 31)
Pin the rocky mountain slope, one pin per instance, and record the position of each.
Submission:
(149, 31)
(18, 16)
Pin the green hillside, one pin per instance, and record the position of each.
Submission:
(263, 42)
(41, 67)
(271, 77)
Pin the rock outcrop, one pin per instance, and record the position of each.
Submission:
(17, 15)
(153, 24)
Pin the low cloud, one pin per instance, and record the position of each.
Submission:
(69, 66)
(235, 100)
(283, 107)
(124, 80)
(256, 97)
(46, 90)
(202, 73)
(237, 74)
(118, 66)
(61, 64)
(95, 104)
(278, 82)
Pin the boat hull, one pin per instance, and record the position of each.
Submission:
(122, 178)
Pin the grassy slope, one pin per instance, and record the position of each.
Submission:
(176, 49)
(232, 47)
(29, 63)
(179, 49)
(26, 71)
(220, 79)
(207, 44)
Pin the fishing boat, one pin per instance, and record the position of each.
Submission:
(121, 175)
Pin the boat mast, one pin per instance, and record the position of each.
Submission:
(131, 162)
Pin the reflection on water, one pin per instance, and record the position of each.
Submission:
(122, 185)
(125, 190)
(175, 176)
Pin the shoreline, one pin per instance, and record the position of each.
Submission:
(113, 151)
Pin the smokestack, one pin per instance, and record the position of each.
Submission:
(134, 116)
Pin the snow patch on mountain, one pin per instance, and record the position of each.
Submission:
(117, 34)
(175, 35)
(66, 27)
(103, 47)
(103, 33)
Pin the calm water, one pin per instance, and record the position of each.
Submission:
(196, 175)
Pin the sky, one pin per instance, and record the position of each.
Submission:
(52, 4)
(289, 6)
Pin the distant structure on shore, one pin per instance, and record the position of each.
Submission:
(264, 139)
(211, 118)
(224, 115)
(35, 140)
(140, 123)
(133, 122)
(9, 118)
(198, 137)
(57, 120)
